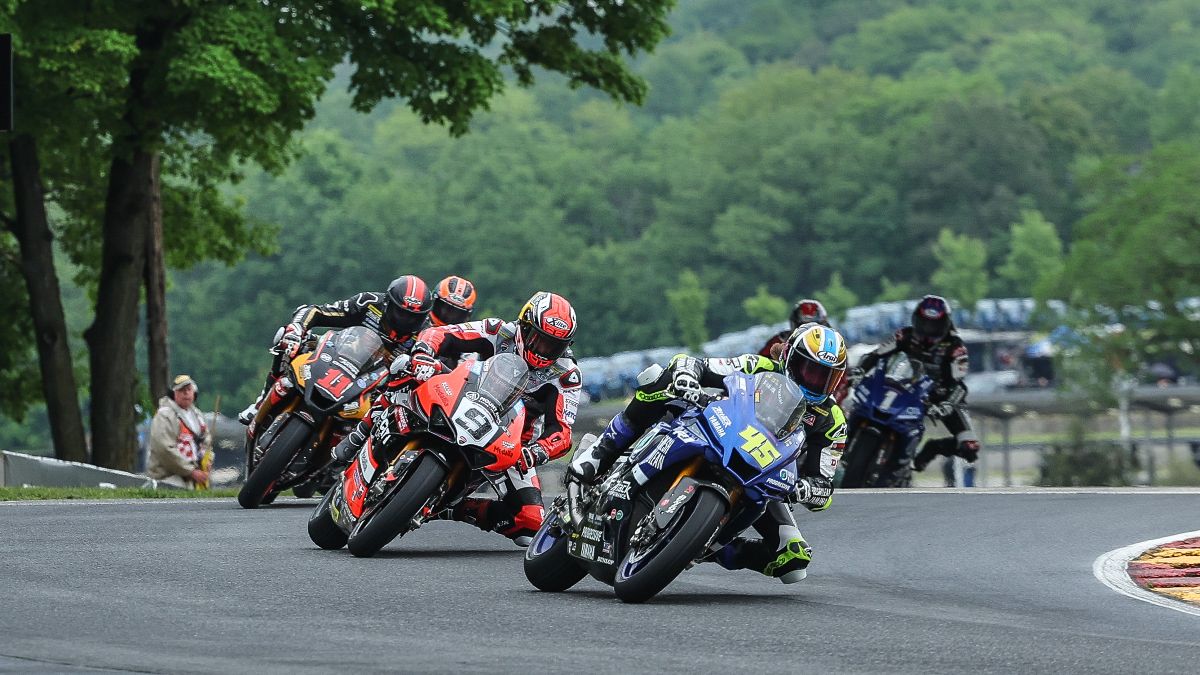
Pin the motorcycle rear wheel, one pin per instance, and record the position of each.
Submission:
(261, 482)
(677, 547)
(548, 565)
(323, 531)
(389, 521)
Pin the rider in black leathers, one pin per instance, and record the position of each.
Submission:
(933, 341)
(397, 315)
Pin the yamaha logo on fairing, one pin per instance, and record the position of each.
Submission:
(326, 357)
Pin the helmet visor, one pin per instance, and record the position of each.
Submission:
(541, 345)
(447, 314)
(931, 330)
(400, 321)
(814, 377)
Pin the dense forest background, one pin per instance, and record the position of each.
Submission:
(851, 150)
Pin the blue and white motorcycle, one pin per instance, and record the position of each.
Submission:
(688, 486)
(886, 423)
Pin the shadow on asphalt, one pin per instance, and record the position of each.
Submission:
(427, 553)
(290, 504)
(678, 598)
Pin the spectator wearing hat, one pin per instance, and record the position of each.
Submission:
(179, 438)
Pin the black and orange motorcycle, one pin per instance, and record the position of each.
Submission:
(289, 441)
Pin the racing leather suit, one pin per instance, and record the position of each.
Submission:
(361, 309)
(947, 362)
(551, 403)
(825, 438)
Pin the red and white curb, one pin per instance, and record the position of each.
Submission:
(1112, 569)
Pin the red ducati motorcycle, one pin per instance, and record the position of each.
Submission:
(456, 432)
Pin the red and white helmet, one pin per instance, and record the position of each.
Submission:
(545, 328)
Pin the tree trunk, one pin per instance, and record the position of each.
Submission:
(45, 302)
(112, 336)
(159, 366)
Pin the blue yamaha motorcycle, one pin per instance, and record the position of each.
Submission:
(688, 486)
(886, 423)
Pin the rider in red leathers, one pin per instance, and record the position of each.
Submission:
(542, 335)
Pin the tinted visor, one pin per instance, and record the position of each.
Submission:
(814, 377)
(447, 313)
(400, 321)
(539, 344)
(931, 330)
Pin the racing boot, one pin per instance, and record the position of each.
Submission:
(343, 453)
(593, 461)
(931, 450)
(788, 562)
(490, 515)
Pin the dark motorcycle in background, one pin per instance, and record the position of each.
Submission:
(886, 423)
(288, 443)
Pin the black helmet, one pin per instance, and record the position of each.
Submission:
(408, 304)
(931, 320)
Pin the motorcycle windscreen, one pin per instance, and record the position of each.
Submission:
(358, 348)
(503, 380)
(902, 369)
(778, 404)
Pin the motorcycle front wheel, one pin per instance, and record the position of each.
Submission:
(260, 484)
(385, 522)
(646, 570)
(860, 457)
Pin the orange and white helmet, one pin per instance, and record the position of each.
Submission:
(545, 328)
(815, 359)
(453, 301)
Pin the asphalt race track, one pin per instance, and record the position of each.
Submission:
(946, 583)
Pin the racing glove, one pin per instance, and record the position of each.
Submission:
(814, 493)
(532, 455)
(685, 386)
(940, 410)
(289, 343)
(423, 363)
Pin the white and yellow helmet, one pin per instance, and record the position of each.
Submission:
(815, 358)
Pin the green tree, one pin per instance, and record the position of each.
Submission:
(210, 87)
(1134, 258)
(837, 298)
(765, 308)
(689, 304)
(1177, 113)
(962, 268)
(893, 291)
(1035, 256)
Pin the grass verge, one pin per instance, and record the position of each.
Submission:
(9, 494)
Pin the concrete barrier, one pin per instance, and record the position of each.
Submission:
(18, 469)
